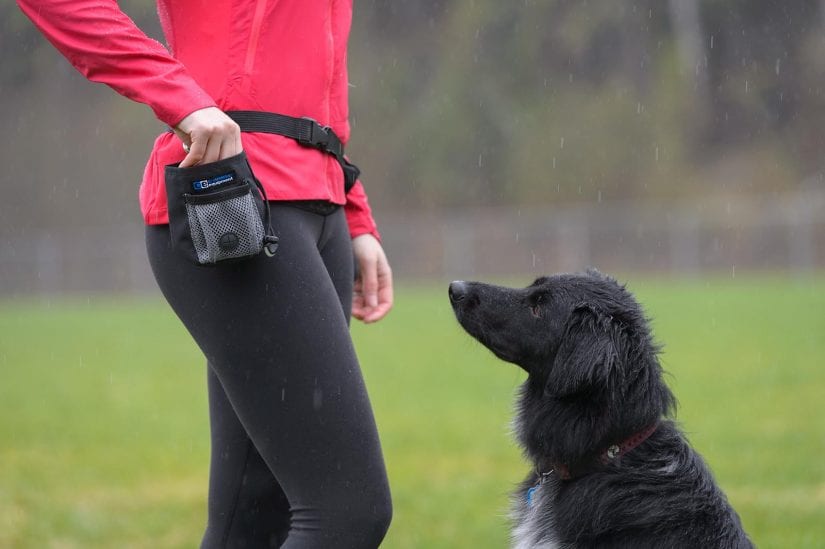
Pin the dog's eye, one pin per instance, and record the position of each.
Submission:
(536, 307)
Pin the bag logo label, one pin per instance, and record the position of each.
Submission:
(217, 181)
(228, 241)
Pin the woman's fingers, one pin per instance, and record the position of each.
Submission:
(213, 150)
(372, 294)
(210, 136)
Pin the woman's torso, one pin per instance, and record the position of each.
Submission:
(286, 56)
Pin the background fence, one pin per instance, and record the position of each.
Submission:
(776, 232)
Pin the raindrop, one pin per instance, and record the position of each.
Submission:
(711, 41)
(562, 143)
(778, 63)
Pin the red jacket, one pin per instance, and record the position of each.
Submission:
(286, 56)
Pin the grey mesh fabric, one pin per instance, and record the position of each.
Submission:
(225, 229)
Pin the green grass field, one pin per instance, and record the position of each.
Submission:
(103, 424)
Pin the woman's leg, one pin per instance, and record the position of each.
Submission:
(276, 337)
(247, 507)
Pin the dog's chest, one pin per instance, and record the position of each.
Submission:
(534, 525)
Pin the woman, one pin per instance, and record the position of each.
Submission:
(296, 458)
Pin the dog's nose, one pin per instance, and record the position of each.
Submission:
(458, 291)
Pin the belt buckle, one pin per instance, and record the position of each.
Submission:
(318, 134)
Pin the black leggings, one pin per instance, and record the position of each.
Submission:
(295, 453)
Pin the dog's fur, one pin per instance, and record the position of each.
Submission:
(594, 380)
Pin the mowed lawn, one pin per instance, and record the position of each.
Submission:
(104, 434)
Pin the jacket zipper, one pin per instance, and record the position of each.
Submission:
(257, 21)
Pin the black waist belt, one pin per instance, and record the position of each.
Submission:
(305, 131)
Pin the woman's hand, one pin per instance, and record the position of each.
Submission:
(208, 135)
(372, 293)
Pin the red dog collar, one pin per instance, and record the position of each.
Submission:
(611, 452)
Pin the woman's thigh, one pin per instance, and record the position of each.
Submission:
(276, 336)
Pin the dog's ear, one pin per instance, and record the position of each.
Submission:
(587, 356)
(598, 275)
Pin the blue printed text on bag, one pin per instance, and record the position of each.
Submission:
(218, 180)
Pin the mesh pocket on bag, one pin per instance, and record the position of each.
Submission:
(225, 224)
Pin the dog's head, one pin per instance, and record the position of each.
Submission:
(585, 343)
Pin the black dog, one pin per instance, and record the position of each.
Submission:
(611, 469)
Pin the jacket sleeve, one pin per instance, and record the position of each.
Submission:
(105, 45)
(359, 215)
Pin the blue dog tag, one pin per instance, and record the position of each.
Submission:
(529, 496)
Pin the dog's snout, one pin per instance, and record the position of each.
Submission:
(458, 291)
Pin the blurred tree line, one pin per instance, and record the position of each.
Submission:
(533, 101)
(479, 102)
